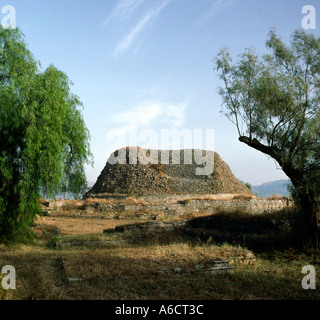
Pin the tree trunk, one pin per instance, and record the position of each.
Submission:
(308, 203)
(310, 212)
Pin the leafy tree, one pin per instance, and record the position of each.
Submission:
(248, 185)
(44, 141)
(274, 103)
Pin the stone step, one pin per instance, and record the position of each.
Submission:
(214, 267)
(63, 245)
(160, 226)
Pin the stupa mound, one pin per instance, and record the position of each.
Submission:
(136, 171)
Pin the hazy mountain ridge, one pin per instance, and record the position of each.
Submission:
(278, 187)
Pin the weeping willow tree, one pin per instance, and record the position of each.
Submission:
(44, 142)
(274, 102)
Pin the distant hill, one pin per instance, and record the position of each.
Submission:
(278, 187)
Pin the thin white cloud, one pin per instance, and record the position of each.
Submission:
(217, 7)
(174, 115)
(127, 41)
(126, 7)
(148, 115)
(139, 116)
(123, 11)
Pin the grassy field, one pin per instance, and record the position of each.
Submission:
(145, 267)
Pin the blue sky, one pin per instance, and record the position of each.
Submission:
(149, 65)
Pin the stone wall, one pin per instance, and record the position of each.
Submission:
(171, 206)
(252, 206)
(166, 226)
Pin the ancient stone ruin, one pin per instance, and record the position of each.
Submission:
(140, 185)
(165, 190)
(136, 171)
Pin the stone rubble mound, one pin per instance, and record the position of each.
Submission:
(136, 171)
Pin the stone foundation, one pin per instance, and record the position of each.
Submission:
(166, 205)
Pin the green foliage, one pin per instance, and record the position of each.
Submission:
(275, 100)
(248, 185)
(44, 141)
(274, 103)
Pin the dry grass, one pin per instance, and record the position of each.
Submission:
(286, 213)
(133, 201)
(93, 201)
(81, 225)
(131, 272)
(277, 197)
(224, 197)
(78, 204)
(129, 269)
